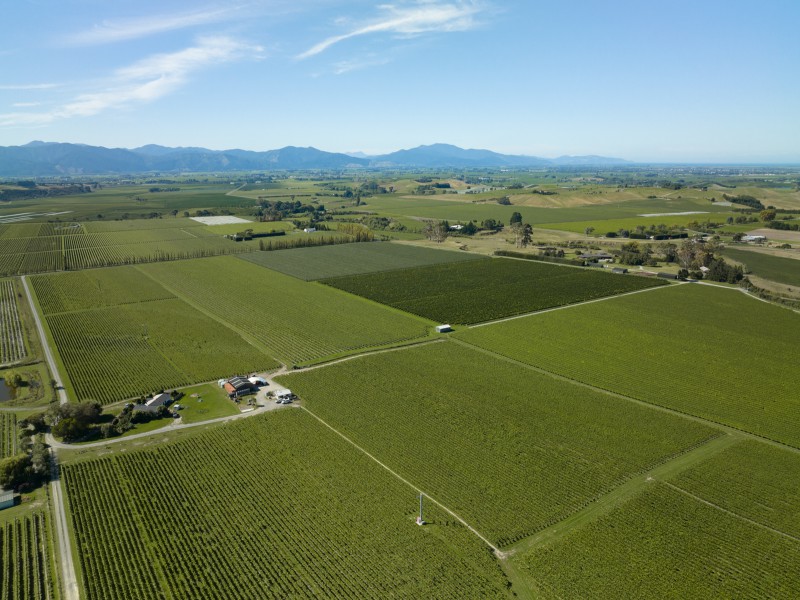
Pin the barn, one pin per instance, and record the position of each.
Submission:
(238, 386)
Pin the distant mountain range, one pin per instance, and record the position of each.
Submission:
(50, 158)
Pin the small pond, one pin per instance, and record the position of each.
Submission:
(6, 392)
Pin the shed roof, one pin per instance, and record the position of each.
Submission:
(240, 383)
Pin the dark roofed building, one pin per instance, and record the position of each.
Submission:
(596, 256)
(238, 386)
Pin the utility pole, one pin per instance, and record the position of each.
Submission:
(420, 521)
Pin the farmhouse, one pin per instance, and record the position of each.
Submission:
(154, 403)
(162, 399)
(6, 499)
(238, 386)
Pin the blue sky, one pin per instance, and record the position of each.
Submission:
(699, 81)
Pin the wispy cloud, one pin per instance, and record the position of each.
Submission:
(26, 104)
(28, 86)
(410, 19)
(142, 82)
(129, 29)
(356, 64)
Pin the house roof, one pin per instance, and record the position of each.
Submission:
(158, 400)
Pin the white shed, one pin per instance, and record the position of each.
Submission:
(443, 328)
(6, 499)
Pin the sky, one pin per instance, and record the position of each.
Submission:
(651, 81)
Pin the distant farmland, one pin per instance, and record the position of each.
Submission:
(775, 268)
(353, 259)
(486, 290)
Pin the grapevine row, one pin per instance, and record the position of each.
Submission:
(25, 567)
(12, 339)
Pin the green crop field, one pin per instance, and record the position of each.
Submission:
(775, 268)
(8, 434)
(494, 442)
(96, 288)
(485, 290)
(275, 506)
(26, 564)
(141, 224)
(710, 352)
(120, 335)
(12, 338)
(352, 259)
(42, 247)
(296, 321)
(665, 544)
(753, 480)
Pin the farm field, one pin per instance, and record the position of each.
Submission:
(8, 434)
(128, 203)
(12, 337)
(753, 480)
(485, 290)
(494, 442)
(116, 346)
(41, 248)
(602, 226)
(775, 268)
(351, 259)
(296, 321)
(665, 544)
(96, 288)
(689, 348)
(467, 208)
(273, 506)
(26, 564)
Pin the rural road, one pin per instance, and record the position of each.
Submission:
(51, 363)
(69, 579)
